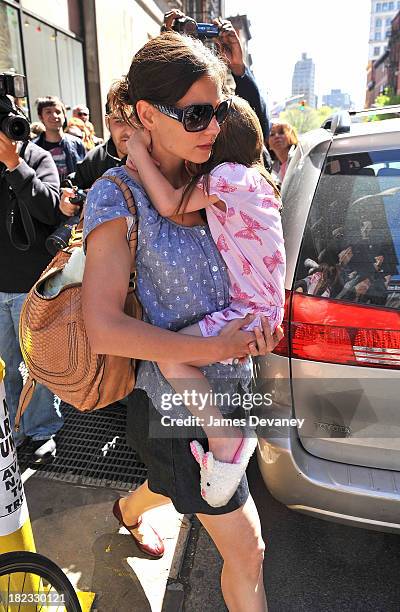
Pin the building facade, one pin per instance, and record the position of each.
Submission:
(337, 99)
(303, 81)
(377, 79)
(203, 11)
(393, 62)
(382, 14)
(74, 49)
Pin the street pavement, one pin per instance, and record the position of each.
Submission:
(311, 565)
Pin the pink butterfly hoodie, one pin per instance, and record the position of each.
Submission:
(249, 236)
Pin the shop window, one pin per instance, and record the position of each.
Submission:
(377, 35)
(376, 51)
(54, 65)
(71, 70)
(10, 41)
(378, 22)
(41, 61)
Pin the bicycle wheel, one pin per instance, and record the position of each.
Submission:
(31, 582)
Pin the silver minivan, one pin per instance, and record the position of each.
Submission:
(337, 371)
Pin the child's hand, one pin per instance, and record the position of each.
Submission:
(140, 140)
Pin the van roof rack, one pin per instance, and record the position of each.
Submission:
(340, 122)
(377, 110)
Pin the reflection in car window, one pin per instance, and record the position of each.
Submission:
(351, 247)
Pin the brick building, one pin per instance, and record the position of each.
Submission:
(377, 78)
(393, 63)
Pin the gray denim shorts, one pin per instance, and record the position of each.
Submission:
(172, 469)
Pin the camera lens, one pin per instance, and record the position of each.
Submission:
(59, 239)
(15, 128)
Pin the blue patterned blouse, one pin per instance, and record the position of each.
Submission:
(181, 277)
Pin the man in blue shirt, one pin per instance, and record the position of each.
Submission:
(66, 150)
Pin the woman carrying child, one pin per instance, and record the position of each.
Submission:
(242, 207)
(181, 277)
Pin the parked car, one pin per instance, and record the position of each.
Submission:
(338, 367)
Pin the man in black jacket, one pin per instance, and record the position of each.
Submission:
(28, 182)
(103, 157)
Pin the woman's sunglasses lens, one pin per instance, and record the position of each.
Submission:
(222, 111)
(198, 117)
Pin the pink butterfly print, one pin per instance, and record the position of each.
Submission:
(238, 294)
(252, 225)
(272, 262)
(221, 217)
(252, 188)
(222, 245)
(224, 186)
(246, 268)
(209, 324)
(270, 288)
(270, 202)
(231, 211)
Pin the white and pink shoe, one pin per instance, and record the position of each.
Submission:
(219, 480)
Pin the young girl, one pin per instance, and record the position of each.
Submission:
(242, 208)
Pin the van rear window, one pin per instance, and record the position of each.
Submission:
(351, 246)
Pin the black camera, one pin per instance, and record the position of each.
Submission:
(188, 26)
(60, 238)
(13, 122)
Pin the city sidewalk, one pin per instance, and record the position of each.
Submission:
(73, 525)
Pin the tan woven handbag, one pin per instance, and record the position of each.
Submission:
(54, 342)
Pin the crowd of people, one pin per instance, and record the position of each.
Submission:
(204, 168)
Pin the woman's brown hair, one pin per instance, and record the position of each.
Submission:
(240, 141)
(164, 69)
(288, 130)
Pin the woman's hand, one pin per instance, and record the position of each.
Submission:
(240, 344)
(265, 341)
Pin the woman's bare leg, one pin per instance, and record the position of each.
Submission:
(237, 536)
(223, 440)
(136, 504)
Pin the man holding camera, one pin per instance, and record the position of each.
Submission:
(228, 42)
(29, 196)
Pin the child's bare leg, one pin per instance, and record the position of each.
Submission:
(223, 440)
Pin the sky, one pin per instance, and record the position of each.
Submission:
(333, 33)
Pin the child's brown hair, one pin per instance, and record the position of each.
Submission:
(240, 141)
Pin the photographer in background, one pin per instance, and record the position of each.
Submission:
(103, 157)
(29, 196)
(231, 48)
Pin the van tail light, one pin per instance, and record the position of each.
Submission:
(336, 332)
(283, 347)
